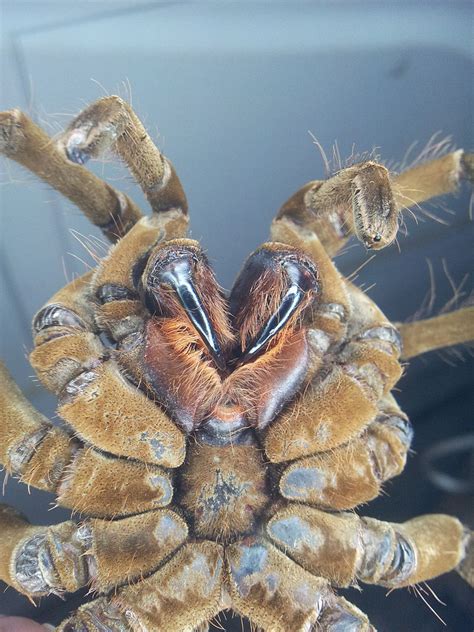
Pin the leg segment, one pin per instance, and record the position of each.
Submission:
(111, 123)
(270, 590)
(278, 595)
(364, 200)
(354, 473)
(356, 200)
(440, 331)
(182, 595)
(344, 547)
(33, 560)
(97, 616)
(26, 143)
(66, 336)
(119, 310)
(95, 397)
(433, 178)
(340, 615)
(82, 478)
(43, 560)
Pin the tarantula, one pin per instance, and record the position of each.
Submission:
(217, 443)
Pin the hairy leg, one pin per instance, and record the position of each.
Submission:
(343, 397)
(445, 330)
(39, 561)
(184, 594)
(433, 178)
(277, 595)
(353, 473)
(26, 143)
(71, 360)
(366, 201)
(47, 457)
(110, 122)
(118, 307)
(345, 548)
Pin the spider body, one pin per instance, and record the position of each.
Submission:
(216, 443)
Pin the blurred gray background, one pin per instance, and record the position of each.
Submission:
(229, 91)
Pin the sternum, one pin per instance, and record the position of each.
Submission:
(223, 488)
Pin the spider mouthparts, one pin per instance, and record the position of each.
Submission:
(178, 277)
(302, 282)
(289, 304)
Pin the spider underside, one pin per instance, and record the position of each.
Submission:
(216, 445)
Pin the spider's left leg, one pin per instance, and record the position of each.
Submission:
(278, 595)
(345, 548)
(94, 394)
(119, 309)
(353, 473)
(342, 401)
(365, 200)
(42, 560)
(82, 478)
(183, 595)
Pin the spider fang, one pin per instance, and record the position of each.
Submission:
(176, 271)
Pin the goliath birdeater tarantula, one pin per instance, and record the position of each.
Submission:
(219, 443)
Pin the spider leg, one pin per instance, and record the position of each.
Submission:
(342, 401)
(119, 310)
(26, 143)
(353, 473)
(365, 200)
(183, 595)
(33, 559)
(278, 595)
(433, 178)
(110, 122)
(445, 330)
(84, 479)
(345, 548)
(94, 395)
(356, 200)
(62, 558)
(97, 616)
(340, 615)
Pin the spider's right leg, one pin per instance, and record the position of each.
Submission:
(343, 547)
(48, 458)
(433, 178)
(444, 330)
(357, 367)
(26, 143)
